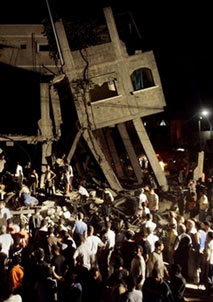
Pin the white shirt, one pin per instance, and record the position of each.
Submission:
(14, 298)
(138, 268)
(6, 240)
(19, 170)
(110, 238)
(142, 197)
(93, 243)
(151, 238)
(84, 252)
(150, 224)
(209, 250)
(5, 212)
(83, 191)
(135, 296)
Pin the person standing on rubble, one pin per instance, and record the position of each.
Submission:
(108, 199)
(153, 203)
(142, 200)
(33, 182)
(49, 175)
(68, 177)
(2, 167)
(83, 193)
(19, 175)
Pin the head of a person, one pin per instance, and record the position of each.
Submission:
(181, 229)
(40, 253)
(16, 260)
(45, 221)
(180, 219)
(159, 246)
(108, 225)
(90, 230)
(80, 216)
(190, 224)
(149, 216)
(156, 274)
(206, 225)
(210, 236)
(138, 250)
(129, 234)
(3, 229)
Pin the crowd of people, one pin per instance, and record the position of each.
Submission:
(70, 259)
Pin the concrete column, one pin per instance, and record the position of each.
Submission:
(55, 101)
(114, 153)
(46, 152)
(100, 158)
(45, 124)
(131, 152)
(103, 143)
(150, 153)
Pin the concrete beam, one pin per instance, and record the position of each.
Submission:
(101, 160)
(114, 153)
(150, 153)
(131, 152)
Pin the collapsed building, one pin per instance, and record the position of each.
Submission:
(108, 89)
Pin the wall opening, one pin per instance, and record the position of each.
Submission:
(142, 78)
(104, 91)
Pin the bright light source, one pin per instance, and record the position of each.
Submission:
(181, 149)
(162, 123)
(205, 113)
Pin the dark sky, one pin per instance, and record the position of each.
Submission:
(179, 35)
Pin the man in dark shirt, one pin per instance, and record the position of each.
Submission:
(58, 263)
(177, 283)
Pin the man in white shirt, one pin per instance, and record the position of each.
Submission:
(138, 267)
(142, 202)
(83, 193)
(151, 238)
(6, 240)
(93, 242)
(83, 253)
(142, 196)
(109, 236)
(4, 212)
(19, 174)
(149, 223)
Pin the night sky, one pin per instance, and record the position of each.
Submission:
(180, 36)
